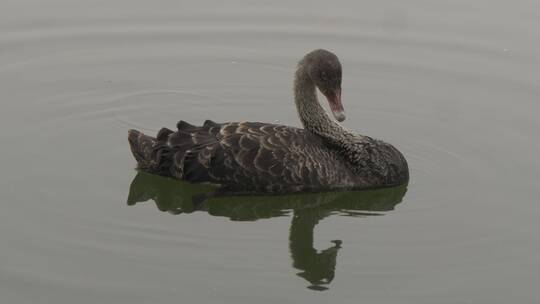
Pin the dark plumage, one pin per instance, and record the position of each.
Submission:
(262, 157)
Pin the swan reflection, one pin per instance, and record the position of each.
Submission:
(317, 267)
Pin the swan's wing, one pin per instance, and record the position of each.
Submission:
(187, 153)
(268, 154)
(246, 156)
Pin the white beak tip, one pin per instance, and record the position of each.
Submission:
(339, 115)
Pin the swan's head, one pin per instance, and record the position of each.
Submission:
(324, 69)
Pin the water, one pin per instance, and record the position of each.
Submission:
(455, 85)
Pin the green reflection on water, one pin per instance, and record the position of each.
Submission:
(317, 267)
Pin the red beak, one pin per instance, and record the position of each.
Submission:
(334, 100)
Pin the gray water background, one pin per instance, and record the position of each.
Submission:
(453, 84)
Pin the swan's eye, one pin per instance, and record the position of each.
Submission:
(324, 76)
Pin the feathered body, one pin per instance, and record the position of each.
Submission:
(270, 158)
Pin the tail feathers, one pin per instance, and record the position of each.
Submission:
(143, 147)
(185, 154)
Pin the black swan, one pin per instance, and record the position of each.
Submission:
(253, 157)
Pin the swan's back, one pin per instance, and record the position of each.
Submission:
(243, 156)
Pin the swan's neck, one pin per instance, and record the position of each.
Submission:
(311, 113)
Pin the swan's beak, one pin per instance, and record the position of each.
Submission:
(334, 99)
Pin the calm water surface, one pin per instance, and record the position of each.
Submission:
(454, 84)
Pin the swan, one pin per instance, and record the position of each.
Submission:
(256, 157)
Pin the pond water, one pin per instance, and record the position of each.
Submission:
(455, 85)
